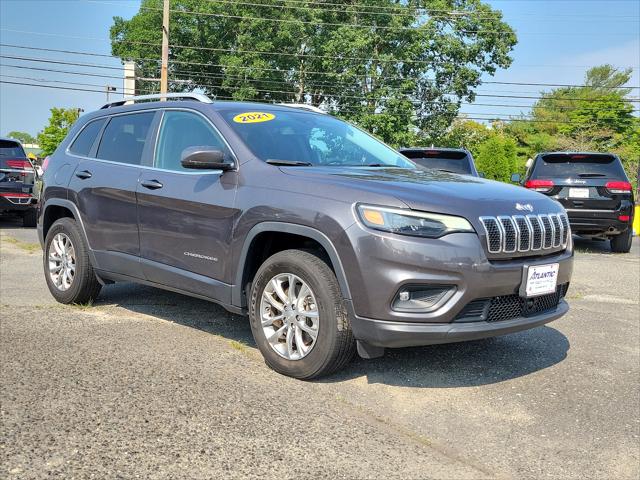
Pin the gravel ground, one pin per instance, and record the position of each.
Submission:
(150, 384)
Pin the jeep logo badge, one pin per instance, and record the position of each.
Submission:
(526, 206)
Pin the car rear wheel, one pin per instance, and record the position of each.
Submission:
(30, 218)
(622, 243)
(67, 269)
(297, 316)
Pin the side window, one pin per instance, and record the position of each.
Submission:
(181, 130)
(83, 142)
(123, 138)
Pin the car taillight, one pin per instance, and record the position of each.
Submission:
(21, 164)
(539, 185)
(45, 163)
(618, 187)
(15, 195)
(624, 218)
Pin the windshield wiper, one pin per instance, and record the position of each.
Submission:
(591, 175)
(445, 170)
(288, 163)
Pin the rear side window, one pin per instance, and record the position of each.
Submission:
(9, 149)
(181, 130)
(579, 165)
(124, 138)
(83, 142)
(456, 162)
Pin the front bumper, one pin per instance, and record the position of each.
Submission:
(378, 265)
(401, 334)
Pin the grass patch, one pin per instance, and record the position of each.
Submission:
(26, 246)
(241, 347)
(83, 306)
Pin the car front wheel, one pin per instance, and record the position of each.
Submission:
(297, 316)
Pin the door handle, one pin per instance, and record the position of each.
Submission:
(84, 174)
(151, 184)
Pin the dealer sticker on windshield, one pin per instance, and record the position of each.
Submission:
(539, 280)
(253, 117)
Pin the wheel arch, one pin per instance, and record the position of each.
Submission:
(246, 266)
(57, 208)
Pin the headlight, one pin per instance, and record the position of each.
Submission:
(409, 222)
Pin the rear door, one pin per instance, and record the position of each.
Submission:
(104, 186)
(579, 181)
(186, 217)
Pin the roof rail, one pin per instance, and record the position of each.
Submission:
(304, 106)
(199, 97)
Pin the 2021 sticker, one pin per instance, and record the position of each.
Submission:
(253, 117)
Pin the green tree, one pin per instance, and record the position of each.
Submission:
(596, 117)
(60, 122)
(23, 137)
(399, 69)
(496, 157)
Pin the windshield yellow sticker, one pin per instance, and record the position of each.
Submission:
(253, 117)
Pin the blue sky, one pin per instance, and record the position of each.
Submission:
(558, 41)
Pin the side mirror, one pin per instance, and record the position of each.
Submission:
(204, 158)
(482, 175)
(515, 178)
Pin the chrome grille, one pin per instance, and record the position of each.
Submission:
(508, 234)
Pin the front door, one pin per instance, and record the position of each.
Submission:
(105, 192)
(186, 216)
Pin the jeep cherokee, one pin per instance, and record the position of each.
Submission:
(328, 239)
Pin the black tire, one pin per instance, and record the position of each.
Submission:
(85, 286)
(335, 345)
(30, 218)
(622, 243)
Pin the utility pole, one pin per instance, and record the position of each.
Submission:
(108, 89)
(164, 81)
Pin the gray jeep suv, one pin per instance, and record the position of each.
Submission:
(328, 239)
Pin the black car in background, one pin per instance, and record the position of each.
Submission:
(455, 160)
(593, 188)
(17, 181)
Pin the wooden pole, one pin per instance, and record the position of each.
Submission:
(164, 80)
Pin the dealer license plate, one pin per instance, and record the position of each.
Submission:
(579, 193)
(539, 280)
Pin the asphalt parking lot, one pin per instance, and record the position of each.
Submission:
(150, 384)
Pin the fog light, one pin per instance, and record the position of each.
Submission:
(422, 298)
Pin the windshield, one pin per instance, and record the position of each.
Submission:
(310, 139)
(11, 149)
(456, 162)
(579, 165)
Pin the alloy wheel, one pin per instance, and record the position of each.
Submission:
(62, 262)
(289, 316)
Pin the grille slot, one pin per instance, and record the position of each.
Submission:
(548, 232)
(507, 307)
(508, 234)
(557, 238)
(494, 234)
(525, 234)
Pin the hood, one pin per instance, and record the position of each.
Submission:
(433, 191)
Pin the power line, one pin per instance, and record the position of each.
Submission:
(90, 65)
(357, 25)
(494, 117)
(492, 82)
(196, 63)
